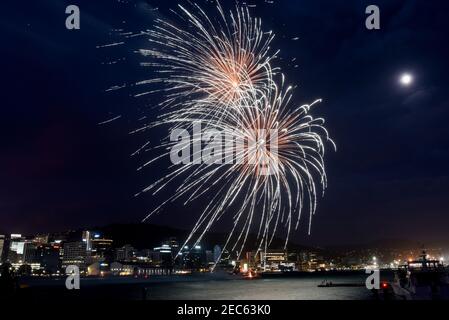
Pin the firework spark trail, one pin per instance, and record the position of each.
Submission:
(299, 157)
(210, 63)
(219, 73)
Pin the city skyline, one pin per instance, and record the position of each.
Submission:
(385, 242)
(119, 236)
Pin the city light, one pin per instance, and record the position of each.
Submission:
(127, 261)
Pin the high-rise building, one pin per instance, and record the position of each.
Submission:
(48, 257)
(163, 255)
(210, 257)
(75, 253)
(16, 246)
(124, 253)
(29, 253)
(101, 249)
(172, 243)
(194, 258)
(2, 245)
(307, 261)
(87, 239)
(101, 246)
(217, 253)
(222, 257)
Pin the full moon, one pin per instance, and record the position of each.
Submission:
(406, 79)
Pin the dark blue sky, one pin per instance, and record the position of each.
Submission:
(389, 179)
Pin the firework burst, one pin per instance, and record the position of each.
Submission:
(210, 62)
(261, 158)
(275, 171)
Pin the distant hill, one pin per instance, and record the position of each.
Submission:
(388, 243)
(144, 235)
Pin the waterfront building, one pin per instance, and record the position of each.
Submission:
(125, 253)
(101, 249)
(145, 255)
(173, 243)
(138, 269)
(273, 259)
(47, 256)
(75, 253)
(163, 255)
(194, 258)
(98, 269)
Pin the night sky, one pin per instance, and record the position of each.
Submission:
(60, 169)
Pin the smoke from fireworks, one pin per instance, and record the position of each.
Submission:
(218, 72)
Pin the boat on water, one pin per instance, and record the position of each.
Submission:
(421, 279)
